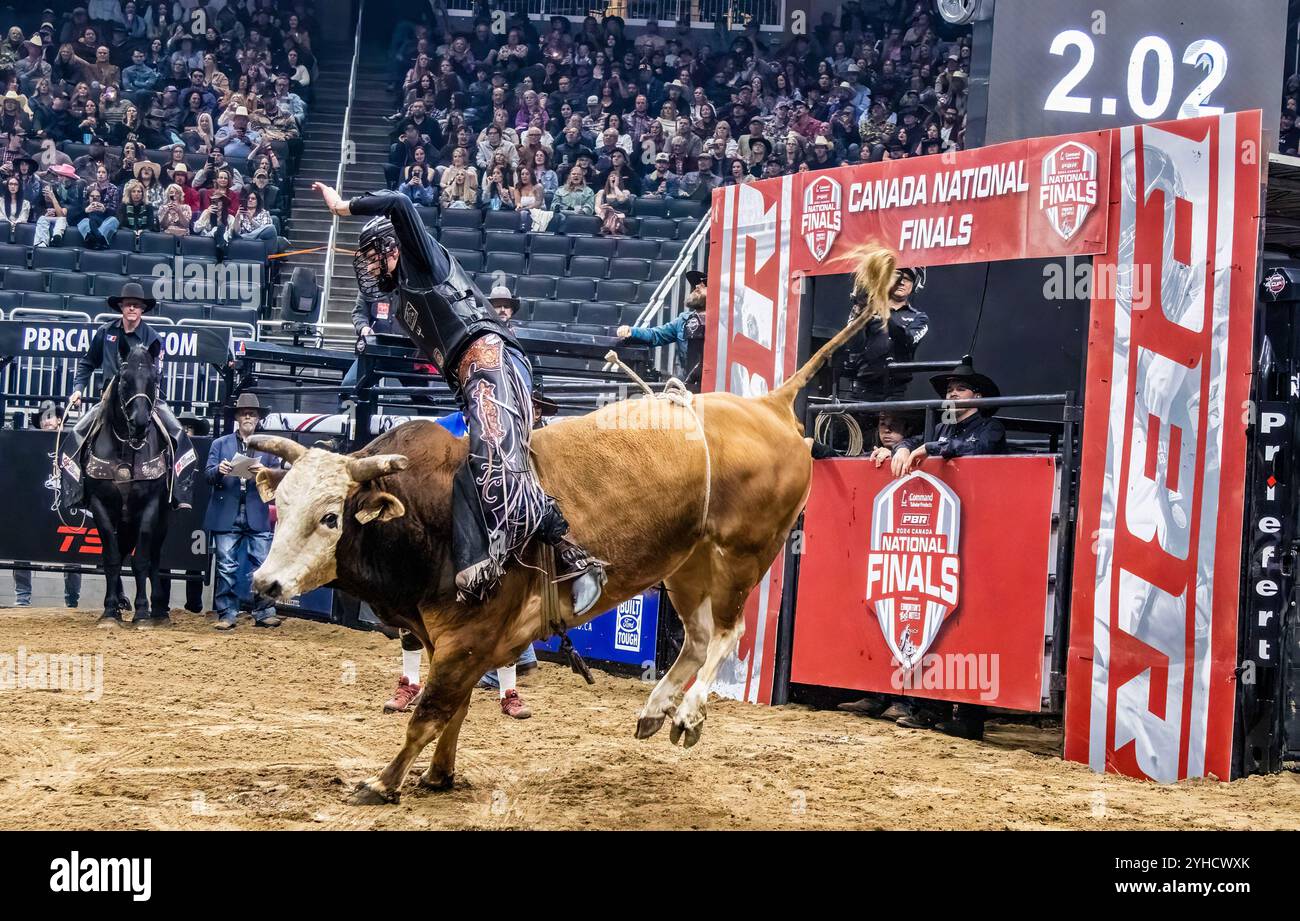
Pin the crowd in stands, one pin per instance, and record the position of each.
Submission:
(586, 119)
(137, 117)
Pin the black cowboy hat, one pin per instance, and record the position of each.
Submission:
(694, 278)
(131, 291)
(981, 383)
(250, 401)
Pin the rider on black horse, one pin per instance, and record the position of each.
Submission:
(498, 504)
(105, 355)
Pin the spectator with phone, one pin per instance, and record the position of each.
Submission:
(253, 221)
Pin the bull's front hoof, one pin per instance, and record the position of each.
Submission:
(367, 795)
(647, 726)
(438, 784)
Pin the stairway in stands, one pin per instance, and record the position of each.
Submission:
(310, 222)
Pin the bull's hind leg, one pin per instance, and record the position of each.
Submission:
(688, 588)
(727, 602)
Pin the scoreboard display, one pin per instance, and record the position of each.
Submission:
(1063, 66)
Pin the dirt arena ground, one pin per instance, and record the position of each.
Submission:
(262, 729)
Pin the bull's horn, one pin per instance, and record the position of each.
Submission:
(364, 469)
(285, 448)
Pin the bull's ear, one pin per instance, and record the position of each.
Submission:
(267, 480)
(376, 504)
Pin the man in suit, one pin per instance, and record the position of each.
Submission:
(238, 520)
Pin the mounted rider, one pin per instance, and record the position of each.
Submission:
(108, 346)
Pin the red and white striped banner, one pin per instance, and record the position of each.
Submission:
(1157, 565)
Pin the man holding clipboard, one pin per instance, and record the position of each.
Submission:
(237, 519)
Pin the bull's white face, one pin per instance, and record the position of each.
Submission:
(310, 501)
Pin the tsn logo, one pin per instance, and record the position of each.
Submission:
(86, 540)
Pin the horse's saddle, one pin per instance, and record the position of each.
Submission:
(138, 468)
(172, 456)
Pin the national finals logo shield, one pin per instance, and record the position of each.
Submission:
(821, 216)
(1069, 189)
(913, 565)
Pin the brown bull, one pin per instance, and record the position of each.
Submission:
(700, 498)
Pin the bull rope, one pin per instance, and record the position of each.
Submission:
(676, 392)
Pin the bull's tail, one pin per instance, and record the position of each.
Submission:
(873, 280)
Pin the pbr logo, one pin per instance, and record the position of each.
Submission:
(1275, 283)
(627, 633)
(821, 216)
(913, 566)
(1069, 188)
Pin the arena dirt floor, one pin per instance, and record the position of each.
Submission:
(269, 729)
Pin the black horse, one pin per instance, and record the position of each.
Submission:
(128, 479)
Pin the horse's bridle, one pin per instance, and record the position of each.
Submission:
(122, 405)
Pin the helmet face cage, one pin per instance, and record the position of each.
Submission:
(370, 261)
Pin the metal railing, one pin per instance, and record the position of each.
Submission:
(345, 153)
(668, 293)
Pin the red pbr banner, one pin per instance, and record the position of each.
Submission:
(933, 585)
(1151, 678)
(1019, 200)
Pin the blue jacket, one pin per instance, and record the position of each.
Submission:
(682, 329)
(223, 502)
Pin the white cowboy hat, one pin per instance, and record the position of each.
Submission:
(20, 99)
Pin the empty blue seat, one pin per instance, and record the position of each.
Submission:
(548, 264)
(102, 262)
(550, 243)
(54, 258)
(633, 269)
(588, 266)
(594, 246)
(505, 241)
(575, 289)
(461, 217)
(541, 287)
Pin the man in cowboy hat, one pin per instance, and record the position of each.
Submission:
(964, 431)
(505, 304)
(105, 355)
(32, 68)
(132, 305)
(237, 139)
(238, 519)
(686, 330)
